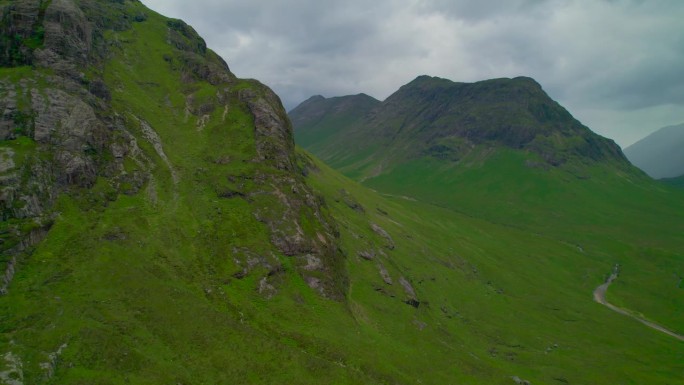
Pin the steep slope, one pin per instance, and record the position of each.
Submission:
(319, 118)
(139, 179)
(660, 154)
(121, 103)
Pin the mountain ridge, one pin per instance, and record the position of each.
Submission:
(448, 118)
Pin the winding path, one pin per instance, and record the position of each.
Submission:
(600, 297)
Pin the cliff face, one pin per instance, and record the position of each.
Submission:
(85, 117)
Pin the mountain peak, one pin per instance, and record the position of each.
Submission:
(438, 117)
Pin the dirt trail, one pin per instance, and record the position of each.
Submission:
(600, 297)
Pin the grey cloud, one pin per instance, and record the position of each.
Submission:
(475, 11)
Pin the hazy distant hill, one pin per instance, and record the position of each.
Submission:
(676, 182)
(661, 154)
(319, 118)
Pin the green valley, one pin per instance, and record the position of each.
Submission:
(474, 163)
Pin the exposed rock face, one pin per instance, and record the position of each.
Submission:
(68, 34)
(21, 21)
(384, 274)
(295, 200)
(367, 254)
(389, 242)
(272, 128)
(411, 298)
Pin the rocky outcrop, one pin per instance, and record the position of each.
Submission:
(62, 120)
(20, 28)
(287, 201)
(68, 35)
(367, 254)
(272, 128)
(13, 373)
(520, 381)
(389, 242)
(67, 141)
(411, 298)
(194, 59)
(384, 274)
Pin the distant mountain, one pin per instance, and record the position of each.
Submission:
(440, 119)
(676, 182)
(474, 147)
(319, 118)
(661, 154)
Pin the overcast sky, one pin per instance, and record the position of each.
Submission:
(616, 65)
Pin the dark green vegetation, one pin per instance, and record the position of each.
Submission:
(158, 227)
(676, 182)
(660, 154)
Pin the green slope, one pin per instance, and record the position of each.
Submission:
(498, 302)
(591, 199)
(134, 232)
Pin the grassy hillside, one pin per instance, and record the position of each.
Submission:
(591, 200)
(136, 254)
(499, 301)
(171, 235)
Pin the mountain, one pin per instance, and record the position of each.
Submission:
(450, 120)
(660, 154)
(319, 117)
(499, 149)
(160, 227)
